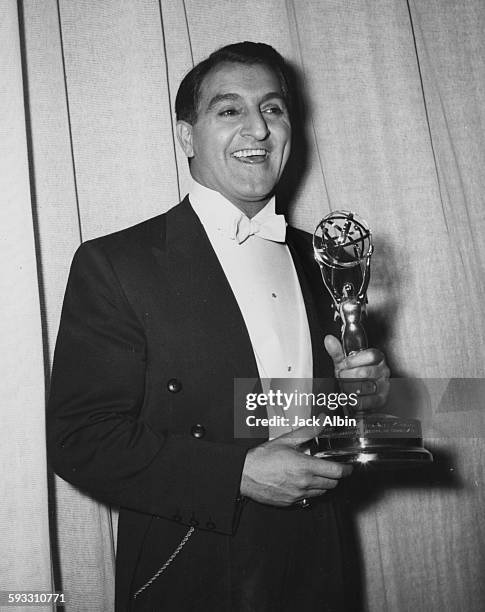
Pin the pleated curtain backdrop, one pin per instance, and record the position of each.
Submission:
(395, 130)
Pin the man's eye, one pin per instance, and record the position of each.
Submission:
(228, 112)
(273, 110)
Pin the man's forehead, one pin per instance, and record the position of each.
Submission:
(232, 80)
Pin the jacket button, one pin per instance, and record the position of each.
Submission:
(210, 525)
(174, 385)
(197, 431)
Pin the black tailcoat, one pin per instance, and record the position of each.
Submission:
(141, 416)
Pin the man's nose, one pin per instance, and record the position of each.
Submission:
(255, 125)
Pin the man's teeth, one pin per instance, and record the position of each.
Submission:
(250, 152)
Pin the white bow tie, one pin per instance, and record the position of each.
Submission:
(270, 228)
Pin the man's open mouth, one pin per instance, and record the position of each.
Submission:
(251, 155)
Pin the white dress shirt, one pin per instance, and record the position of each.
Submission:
(264, 281)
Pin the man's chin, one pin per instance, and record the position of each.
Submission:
(251, 204)
(258, 193)
(256, 198)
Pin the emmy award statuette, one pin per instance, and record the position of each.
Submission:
(342, 245)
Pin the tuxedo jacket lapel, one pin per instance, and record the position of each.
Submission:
(202, 291)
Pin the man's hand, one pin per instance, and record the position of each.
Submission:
(279, 472)
(369, 365)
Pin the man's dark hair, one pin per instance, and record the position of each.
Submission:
(249, 53)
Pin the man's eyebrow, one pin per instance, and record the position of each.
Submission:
(273, 94)
(222, 98)
(233, 97)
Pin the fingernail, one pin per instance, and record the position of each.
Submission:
(368, 387)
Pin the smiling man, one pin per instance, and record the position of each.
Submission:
(158, 321)
(240, 141)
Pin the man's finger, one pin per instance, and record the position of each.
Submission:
(361, 373)
(366, 357)
(322, 482)
(360, 386)
(298, 436)
(317, 492)
(335, 350)
(331, 469)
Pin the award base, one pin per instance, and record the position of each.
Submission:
(379, 440)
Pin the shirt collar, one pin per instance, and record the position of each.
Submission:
(216, 212)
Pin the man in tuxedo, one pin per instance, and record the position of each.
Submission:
(158, 321)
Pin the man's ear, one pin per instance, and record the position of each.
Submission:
(184, 136)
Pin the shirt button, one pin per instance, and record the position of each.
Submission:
(174, 385)
(197, 431)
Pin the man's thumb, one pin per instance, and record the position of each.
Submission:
(334, 349)
(295, 438)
